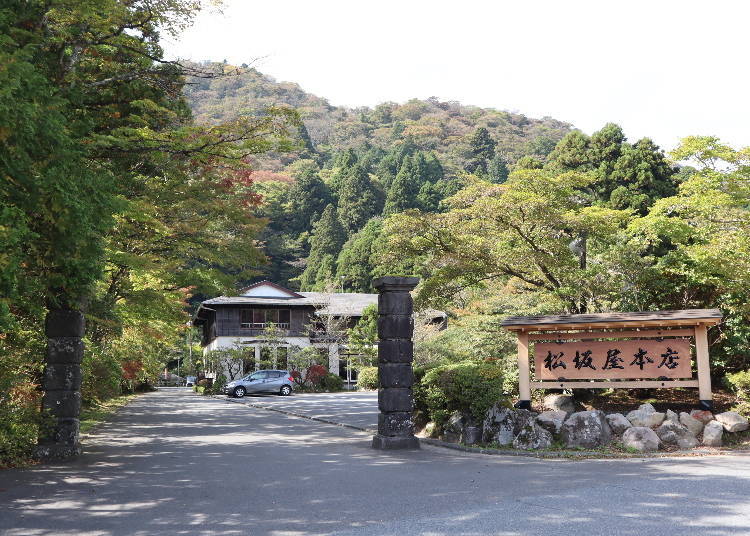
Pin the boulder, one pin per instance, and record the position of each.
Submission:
(532, 437)
(671, 416)
(692, 424)
(560, 403)
(641, 439)
(676, 434)
(552, 421)
(732, 421)
(456, 423)
(618, 423)
(586, 429)
(501, 425)
(702, 415)
(645, 415)
(712, 433)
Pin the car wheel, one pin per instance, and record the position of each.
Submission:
(239, 392)
(285, 390)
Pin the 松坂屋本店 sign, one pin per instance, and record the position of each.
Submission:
(649, 349)
(640, 358)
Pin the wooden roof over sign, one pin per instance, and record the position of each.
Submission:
(684, 317)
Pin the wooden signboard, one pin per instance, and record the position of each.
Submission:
(597, 360)
(650, 349)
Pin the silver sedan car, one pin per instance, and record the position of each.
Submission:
(262, 381)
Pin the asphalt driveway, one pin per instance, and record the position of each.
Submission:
(355, 408)
(172, 462)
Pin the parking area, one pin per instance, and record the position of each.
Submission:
(353, 408)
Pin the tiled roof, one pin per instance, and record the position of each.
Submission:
(337, 304)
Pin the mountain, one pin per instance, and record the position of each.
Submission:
(433, 125)
(326, 204)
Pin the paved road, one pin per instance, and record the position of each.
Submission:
(176, 463)
(355, 408)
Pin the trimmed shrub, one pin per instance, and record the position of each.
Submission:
(331, 382)
(468, 387)
(367, 378)
(739, 382)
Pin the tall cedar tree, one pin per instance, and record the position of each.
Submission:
(359, 200)
(308, 199)
(402, 194)
(355, 264)
(325, 244)
(482, 149)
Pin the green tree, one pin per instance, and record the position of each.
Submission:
(359, 200)
(355, 263)
(403, 192)
(497, 171)
(326, 241)
(307, 199)
(519, 231)
(363, 338)
(481, 151)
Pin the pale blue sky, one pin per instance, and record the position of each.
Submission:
(660, 68)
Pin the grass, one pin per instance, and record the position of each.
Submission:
(96, 414)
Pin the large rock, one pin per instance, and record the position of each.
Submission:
(676, 434)
(560, 403)
(692, 424)
(586, 429)
(551, 421)
(702, 415)
(618, 423)
(712, 433)
(732, 421)
(532, 437)
(646, 415)
(641, 439)
(671, 416)
(501, 425)
(456, 423)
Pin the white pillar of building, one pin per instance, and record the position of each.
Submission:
(257, 357)
(333, 358)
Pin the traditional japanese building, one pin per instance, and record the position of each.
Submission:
(301, 319)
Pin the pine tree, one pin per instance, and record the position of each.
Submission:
(640, 176)
(327, 239)
(402, 194)
(355, 264)
(307, 199)
(359, 200)
(343, 165)
(481, 151)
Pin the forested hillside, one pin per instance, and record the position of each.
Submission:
(354, 166)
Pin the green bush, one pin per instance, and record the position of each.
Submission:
(739, 382)
(216, 386)
(102, 376)
(468, 387)
(367, 378)
(331, 382)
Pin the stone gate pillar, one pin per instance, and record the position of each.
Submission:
(395, 355)
(62, 384)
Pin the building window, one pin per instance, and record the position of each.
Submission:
(260, 318)
(284, 318)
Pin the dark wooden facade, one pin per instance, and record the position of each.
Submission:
(227, 321)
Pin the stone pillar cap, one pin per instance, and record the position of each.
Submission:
(392, 282)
